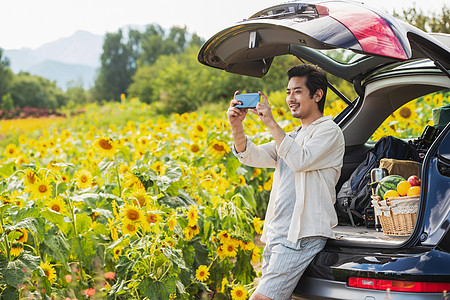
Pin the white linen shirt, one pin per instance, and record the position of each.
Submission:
(316, 157)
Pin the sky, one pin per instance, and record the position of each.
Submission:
(31, 23)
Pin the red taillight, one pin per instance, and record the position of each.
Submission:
(398, 285)
(372, 32)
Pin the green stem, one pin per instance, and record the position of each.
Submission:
(7, 245)
(118, 178)
(72, 212)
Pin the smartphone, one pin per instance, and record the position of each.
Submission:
(248, 100)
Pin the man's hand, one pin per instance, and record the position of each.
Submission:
(236, 115)
(264, 111)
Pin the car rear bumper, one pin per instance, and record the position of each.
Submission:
(314, 288)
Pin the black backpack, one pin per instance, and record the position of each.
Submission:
(354, 195)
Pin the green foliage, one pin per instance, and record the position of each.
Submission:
(35, 91)
(76, 96)
(7, 102)
(117, 67)
(5, 74)
(436, 22)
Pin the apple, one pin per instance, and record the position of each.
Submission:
(414, 180)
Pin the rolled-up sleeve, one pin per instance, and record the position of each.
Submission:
(262, 156)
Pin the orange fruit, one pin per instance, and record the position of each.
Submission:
(413, 191)
(403, 187)
(391, 193)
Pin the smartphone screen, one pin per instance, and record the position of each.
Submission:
(248, 100)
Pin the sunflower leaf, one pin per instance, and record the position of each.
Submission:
(83, 222)
(57, 246)
(153, 289)
(53, 217)
(18, 271)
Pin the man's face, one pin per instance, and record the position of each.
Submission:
(298, 99)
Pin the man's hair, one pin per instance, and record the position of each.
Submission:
(316, 79)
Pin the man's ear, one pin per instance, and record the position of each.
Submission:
(318, 95)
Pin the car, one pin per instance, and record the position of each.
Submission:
(393, 64)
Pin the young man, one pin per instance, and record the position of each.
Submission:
(307, 163)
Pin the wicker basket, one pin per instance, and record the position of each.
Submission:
(397, 215)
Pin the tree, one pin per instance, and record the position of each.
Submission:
(6, 74)
(434, 23)
(155, 42)
(35, 91)
(180, 83)
(118, 65)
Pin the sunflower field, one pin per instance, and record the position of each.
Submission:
(120, 203)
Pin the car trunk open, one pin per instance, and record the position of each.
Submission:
(386, 47)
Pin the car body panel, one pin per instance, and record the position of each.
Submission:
(322, 289)
(436, 190)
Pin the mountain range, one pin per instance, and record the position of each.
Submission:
(69, 61)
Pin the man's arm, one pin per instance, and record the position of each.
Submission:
(239, 138)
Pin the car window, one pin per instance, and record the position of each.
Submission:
(410, 120)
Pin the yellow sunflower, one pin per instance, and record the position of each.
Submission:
(158, 167)
(239, 293)
(220, 251)
(30, 178)
(21, 235)
(224, 237)
(190, 232)
(15, 250)
(230, 249)
(114, 234)
(171, 223)
(218, 149)
(106, 146)
(15, 197)
(199, 129)
(139, 195)
(5, 200)
(117, 251)
(241, 180)
(22, 139)
(65, 134)
(129, 228)
(57, 204)
(131, 180)
(49, 271)
(256, 255)
(21, 159)
(258, 224)
(41, 189)
(268, 183)
(195, 148)
(202, 273)
(247, 245)
(256, 172)
(192, 215)
(11, 150)
(83, 179)
(131, 213)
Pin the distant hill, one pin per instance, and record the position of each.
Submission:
(83, 48)
(64, 74)
(69, 59)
